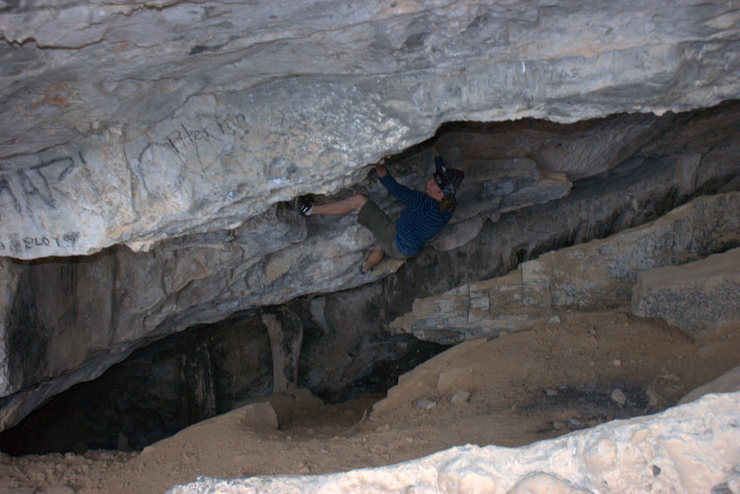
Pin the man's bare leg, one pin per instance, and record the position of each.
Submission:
(353, 203)
(373, 259)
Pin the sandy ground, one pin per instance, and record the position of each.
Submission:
(524, 387)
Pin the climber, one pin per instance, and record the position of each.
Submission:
(425, 214)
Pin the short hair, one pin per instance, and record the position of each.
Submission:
(447, 204)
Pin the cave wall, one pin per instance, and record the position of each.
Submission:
(70, 319)
(133, 122)
(156, 392)
(603, 275)
(165, 141)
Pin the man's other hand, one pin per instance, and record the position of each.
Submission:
(380, 168)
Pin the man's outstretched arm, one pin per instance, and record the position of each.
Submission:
(400, 192)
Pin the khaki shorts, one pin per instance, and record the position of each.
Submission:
(384, 228)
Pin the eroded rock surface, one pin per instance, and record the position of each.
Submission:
(600, 275)
(67, 320)
(689, 448)
(134, 122)
(167, 139)
(695, 297)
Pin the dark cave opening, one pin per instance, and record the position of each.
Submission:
(210, 369)
(188, 377)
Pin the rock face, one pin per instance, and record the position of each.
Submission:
(690, 448)
(600, 275)
(133, 122)
(67, 320)
(165, 140)
(695, 297)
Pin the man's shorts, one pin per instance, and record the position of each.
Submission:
(384, 228)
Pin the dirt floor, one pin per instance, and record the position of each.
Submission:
(575, 372)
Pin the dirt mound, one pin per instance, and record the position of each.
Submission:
(574, 372)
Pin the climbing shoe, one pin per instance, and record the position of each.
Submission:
(305, 207)
(362, 268)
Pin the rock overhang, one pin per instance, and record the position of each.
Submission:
(180, 128)
(133, 123)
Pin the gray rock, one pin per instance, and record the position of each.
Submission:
(118, 129)
(618, 397)
(729, 382)
(733, 480)
(260, 416)
(597, 275)
(722, 488)
(461, 396)
(424, 404)
(574, 423)
(653, 397)
(696, 297)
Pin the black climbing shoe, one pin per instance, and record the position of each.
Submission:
(305, 207)
(362, 268)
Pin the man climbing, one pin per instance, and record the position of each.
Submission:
(425, 214)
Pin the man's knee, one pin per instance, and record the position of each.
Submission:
(358, 201)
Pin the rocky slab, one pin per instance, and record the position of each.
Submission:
(597, 275)
(696, 297)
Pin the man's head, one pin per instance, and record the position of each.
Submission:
(443, 187)
(448, 180)
(433, 190)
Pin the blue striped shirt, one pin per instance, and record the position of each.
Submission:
(420, 219)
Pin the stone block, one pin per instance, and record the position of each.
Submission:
(696, 297)
(260, 416)
(200, 153)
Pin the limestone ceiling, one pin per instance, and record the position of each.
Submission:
(131, 122)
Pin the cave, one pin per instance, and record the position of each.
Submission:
(170, 320)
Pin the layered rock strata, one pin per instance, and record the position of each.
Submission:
(695, 297)
(67, 320)
(601, 275)
(163, 137)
